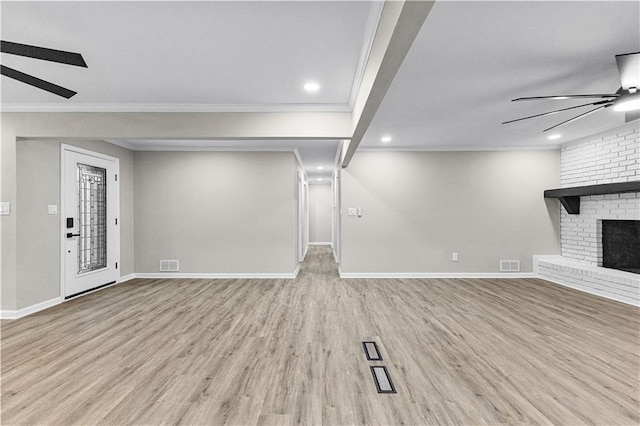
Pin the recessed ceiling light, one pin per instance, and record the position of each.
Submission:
(319, 179)
(554, 136)
(385, 139)
(320, 168)
(560, 97)
(311, 87)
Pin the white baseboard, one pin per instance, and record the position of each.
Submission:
(126, 278)
(31, 309)
(328, 243)
(435, 274)
(49, 303)
(8, 314)
(214, 276)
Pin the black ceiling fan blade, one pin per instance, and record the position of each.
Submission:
(578, 117)
(629, 69)
(36, 82)
(555, 111)
(42, 53)
(562, 97)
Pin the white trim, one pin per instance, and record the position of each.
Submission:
(65, 147)
(31, 309)
(185, 108)
(298, 157)
(10, 315)
(63, 214)
(447, 148)
(327, 243)
(122, 143)
(219, 275)
(126, 278)
(373, 20)
(130, 145)
(435, 274)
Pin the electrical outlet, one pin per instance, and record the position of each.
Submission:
(5, 208)
(52, 209)
(352, 211)
(454, 257)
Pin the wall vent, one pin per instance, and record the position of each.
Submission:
(169, 265)
(509, 266)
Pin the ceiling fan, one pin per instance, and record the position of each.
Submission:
(45, 54)
(626, 99)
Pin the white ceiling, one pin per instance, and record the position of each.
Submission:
(452, 91)
(470, 59)
(191, 56)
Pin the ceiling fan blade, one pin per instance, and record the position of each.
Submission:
(577, 117)
(562, 97)
(42, 53)
(629, 69)
(36, 82)
(555, 111)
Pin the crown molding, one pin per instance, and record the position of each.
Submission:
(131, 145)
(445, 148)
(375, 12)
(76, 107)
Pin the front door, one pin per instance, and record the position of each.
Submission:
(90, 210)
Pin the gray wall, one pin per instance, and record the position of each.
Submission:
(104, 126)
(420, 207)
(38, 242)
(216, 212)
(321, 209)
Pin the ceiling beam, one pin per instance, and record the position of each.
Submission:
(399, 25)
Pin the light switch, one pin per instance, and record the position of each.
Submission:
(5, 208)
(352, 211)
(53, 209)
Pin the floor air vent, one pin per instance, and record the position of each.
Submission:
(371, 351)
(509, 266)
(169, 266)
(382, 379)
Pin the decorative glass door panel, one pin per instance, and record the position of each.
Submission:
(91, 239)
(92, 218)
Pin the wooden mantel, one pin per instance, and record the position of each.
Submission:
(570, 197)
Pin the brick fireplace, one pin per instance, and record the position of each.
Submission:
(611, 157)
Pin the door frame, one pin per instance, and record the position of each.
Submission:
(63, 213)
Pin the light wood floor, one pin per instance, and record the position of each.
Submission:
(481, 351)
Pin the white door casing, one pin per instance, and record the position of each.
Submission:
(90, 200)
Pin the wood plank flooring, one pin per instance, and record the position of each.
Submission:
(245, 352)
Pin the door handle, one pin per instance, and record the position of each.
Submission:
(70, 235)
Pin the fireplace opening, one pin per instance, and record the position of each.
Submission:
(621, 245)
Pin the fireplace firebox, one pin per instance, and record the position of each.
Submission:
(621, 245)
